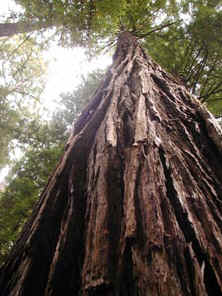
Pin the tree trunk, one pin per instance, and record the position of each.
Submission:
(135, 205)
(10, 29)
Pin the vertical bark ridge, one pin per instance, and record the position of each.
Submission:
(65, 267)
(134, 206)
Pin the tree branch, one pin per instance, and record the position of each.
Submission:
(156, 29)
(211, 92)
(10, 29)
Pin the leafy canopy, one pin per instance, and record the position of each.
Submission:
(190, 48)
(88, 22)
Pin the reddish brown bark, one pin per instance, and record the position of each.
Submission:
(134, 206)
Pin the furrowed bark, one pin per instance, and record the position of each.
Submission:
(135, 205)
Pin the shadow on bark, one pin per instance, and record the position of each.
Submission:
(134, 206)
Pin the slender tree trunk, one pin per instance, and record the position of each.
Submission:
(10, 29)
(135, 205)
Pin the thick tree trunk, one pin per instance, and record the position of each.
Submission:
(135, 205)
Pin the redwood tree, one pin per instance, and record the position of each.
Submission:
(135, 205)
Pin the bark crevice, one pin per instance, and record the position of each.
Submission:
(209, 277)
(134, 206)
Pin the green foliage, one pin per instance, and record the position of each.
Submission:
(90, 22)
(190, 49)
(21, 83)
(8, 120)
(192, 52)
(22, 68)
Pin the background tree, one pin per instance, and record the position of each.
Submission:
(22, 71)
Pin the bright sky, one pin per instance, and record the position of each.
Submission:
(66, 67)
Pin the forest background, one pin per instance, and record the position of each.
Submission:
(183, 36)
